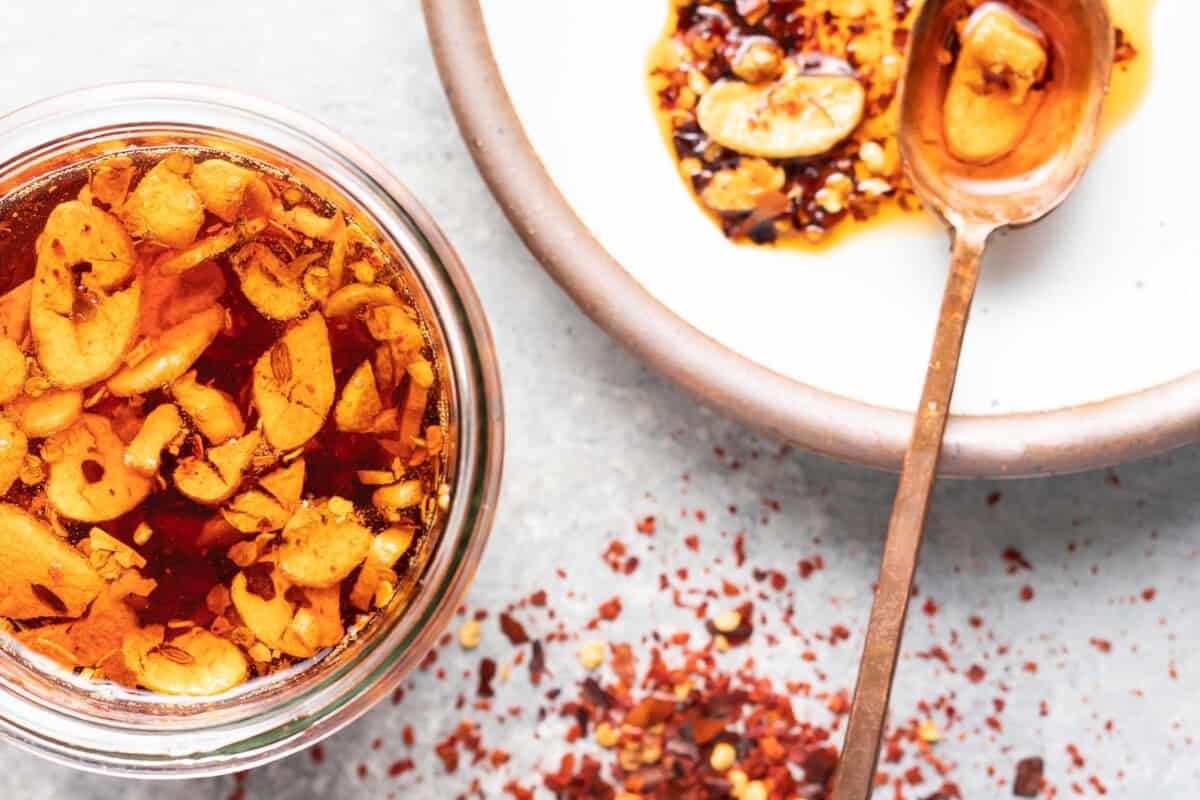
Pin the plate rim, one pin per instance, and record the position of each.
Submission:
(1028, 444)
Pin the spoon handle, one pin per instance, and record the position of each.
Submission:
(855, 777)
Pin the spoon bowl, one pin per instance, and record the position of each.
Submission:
(1032, 180)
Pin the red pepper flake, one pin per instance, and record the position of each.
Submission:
(584, 784)
(317, 753)
(610, 609)
(692, 542)
(993, 498)
(913, 776)
(680, 638)
(1097, 785)
(930, 607)
(361, 771)
(1016, 560)
(646, 526)
(1124, 51)
(937, 652)
(976, 673)
(538, 598)
(839, 702)
(537, 663)
(403, 765)
(500, 758)
(653, 710)
(950, 791)
(1076, 757)
(406, 735)
(1103, 645)
(517, 791)
(1028, 779)
(739, 549)
(838, 633)
(1148, 594)
(487, 673)
(614, 554)
(513, 629)
(1026, 593)
(820, 764)
(623, 664)
(466, 736)
(975, 621)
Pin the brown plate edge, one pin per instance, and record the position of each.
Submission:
(1055, 442)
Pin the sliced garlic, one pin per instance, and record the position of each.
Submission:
(795, 117)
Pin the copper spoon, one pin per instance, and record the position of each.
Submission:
(973, 203)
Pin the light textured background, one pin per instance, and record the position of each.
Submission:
(596, 441)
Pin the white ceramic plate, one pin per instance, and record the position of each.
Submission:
(1094, 303)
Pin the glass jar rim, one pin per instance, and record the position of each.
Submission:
(248, 730)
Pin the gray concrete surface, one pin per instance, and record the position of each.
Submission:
(596, 441)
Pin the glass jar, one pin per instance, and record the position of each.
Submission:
(107, 729)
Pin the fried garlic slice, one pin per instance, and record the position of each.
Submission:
(212, 480)
(272, 507)
(213, 411)
(144, 453)
(351, 298)
(164, 208)
(386, 549)
(317, 624)
(321, 554)
(258, 593)
(794, 117)
(360, 404)
(991, 100)
(293, 384)
(49, 413)
(393, 324)
(264, 599)
(76, 351)
(110, 181)
(391, 500)
(43, 576)
(172, 354)
(271, 286)
(88, 480)
(223, 188)
(196, 663)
